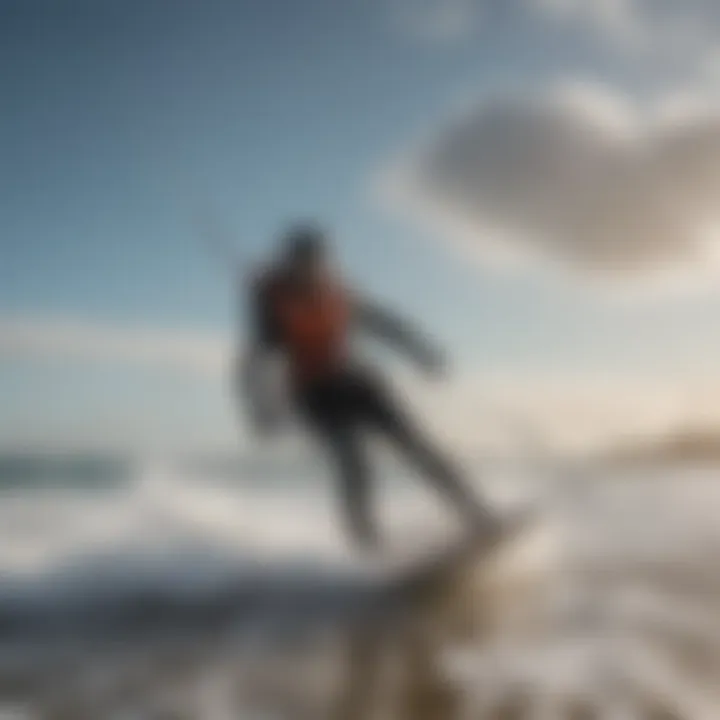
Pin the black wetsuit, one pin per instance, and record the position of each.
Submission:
(342, 406)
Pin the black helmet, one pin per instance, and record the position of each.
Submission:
(304, 242)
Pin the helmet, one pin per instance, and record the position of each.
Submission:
(304, 242)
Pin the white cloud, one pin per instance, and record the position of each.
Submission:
(670, 33)
(670, 26)
(578, 176)
(529, 412)
(72, 339)
(681, 30)
(512, 410)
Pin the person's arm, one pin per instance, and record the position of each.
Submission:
(397, 332)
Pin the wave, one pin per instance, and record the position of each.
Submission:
(191, 590)
(631, 585)
(167, 555)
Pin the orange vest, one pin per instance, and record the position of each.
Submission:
(313, 327)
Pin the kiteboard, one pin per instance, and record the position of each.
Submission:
(421, 572)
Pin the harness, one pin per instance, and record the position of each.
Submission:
(313, 327)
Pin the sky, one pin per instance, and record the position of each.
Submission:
(533, 181)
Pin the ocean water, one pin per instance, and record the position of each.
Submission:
(147, 589)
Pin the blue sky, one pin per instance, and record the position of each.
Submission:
(128, 127)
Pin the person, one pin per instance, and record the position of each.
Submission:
(302, 311)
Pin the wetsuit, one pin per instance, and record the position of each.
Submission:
(341, 399)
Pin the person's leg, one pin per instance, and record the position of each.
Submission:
(354, 483)
(395, 423)
(331, 411)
